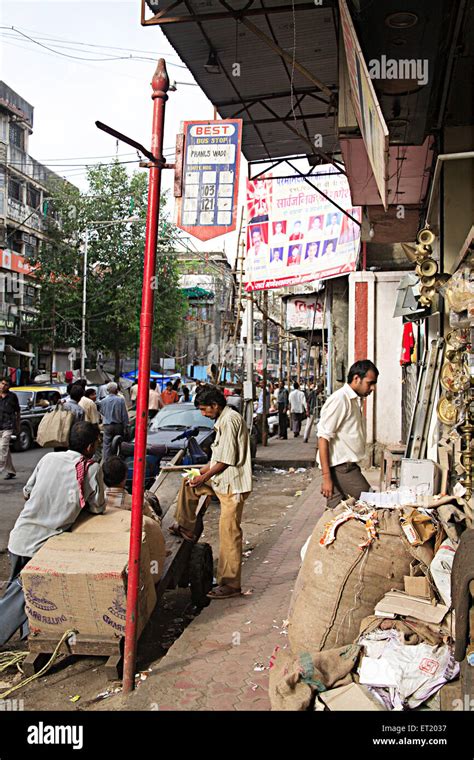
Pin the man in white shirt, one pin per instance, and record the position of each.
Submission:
(342, 435)
(61, 486)
(297, 405)
(87, 402)
(154, 400)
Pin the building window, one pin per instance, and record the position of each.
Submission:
(29, 296)
(33, 197)
(3, 127)
(15, 190)
(17, 136)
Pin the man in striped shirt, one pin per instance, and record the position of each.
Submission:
(229, 476)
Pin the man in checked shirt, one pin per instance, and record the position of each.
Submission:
(229, 476)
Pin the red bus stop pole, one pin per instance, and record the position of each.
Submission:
(160, 85)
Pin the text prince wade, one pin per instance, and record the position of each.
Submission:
(46, 734)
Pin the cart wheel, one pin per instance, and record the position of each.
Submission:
(201, 573)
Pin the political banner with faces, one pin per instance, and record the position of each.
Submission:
(295, 234)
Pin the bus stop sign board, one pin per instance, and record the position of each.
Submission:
(207, 207)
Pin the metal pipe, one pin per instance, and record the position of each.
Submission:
(84, 303)
(160, 85)
(439, 161)
(264, 368)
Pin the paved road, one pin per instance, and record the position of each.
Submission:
(11, 491)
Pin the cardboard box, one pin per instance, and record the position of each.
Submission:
(115, 520)
(79, 581)
(398, 603)
(417, 585)
(351, 697)
(417, 472)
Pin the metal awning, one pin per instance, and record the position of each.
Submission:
(284, 98)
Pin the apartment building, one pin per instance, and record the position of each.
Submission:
(23, 208)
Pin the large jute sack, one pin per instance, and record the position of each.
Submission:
(55, 427)
(340, 584)
(294, 679)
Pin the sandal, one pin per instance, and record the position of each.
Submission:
(178, 531)
(224, 592)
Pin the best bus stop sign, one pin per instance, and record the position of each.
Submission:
(207, 204)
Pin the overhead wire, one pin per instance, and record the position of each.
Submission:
(51, 38)
(106, 56)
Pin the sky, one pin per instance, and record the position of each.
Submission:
(69, 95)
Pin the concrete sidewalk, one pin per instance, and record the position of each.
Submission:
(221, 660)
(288, 453)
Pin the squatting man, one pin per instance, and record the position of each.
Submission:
(342, 435)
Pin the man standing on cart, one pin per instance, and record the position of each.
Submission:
(229, 476)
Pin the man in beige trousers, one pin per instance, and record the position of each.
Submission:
(229, 476)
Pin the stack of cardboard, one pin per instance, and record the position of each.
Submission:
(78, 580)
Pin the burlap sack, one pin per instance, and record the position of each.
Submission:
(294, 679)
(339, 585)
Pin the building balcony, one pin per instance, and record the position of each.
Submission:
(23, 214)
(20, 161)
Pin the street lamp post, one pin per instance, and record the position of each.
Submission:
(84, 304)
(107, 223)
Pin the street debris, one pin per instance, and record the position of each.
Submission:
(248, 592)
(76, 698)
(259, 666)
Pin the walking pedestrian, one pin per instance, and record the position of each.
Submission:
(282, 401)
(115, 417)
(76, 393)
(229, 476)
(297, 406)
(133, 394)
(169, 396)
(61, 485)
(342, 435)
(312, 408)
(9, 424)
(261, 419)
(87, 402)
(154, 400)
(185, 397)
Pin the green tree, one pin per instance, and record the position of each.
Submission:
(115, 265)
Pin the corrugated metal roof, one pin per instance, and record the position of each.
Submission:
(281, 108)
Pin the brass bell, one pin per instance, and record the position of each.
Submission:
(427, 268)
(425, 236)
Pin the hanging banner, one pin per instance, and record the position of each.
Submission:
(296, 235)
(368, 112)
(207, 207)
(304, 313)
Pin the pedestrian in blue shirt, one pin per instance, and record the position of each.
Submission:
(115, 417)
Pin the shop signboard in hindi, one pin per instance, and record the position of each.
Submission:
(207, 207)
(304, 313)
(295, 234)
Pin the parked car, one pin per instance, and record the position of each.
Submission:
(34, 401)
(175, 418)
